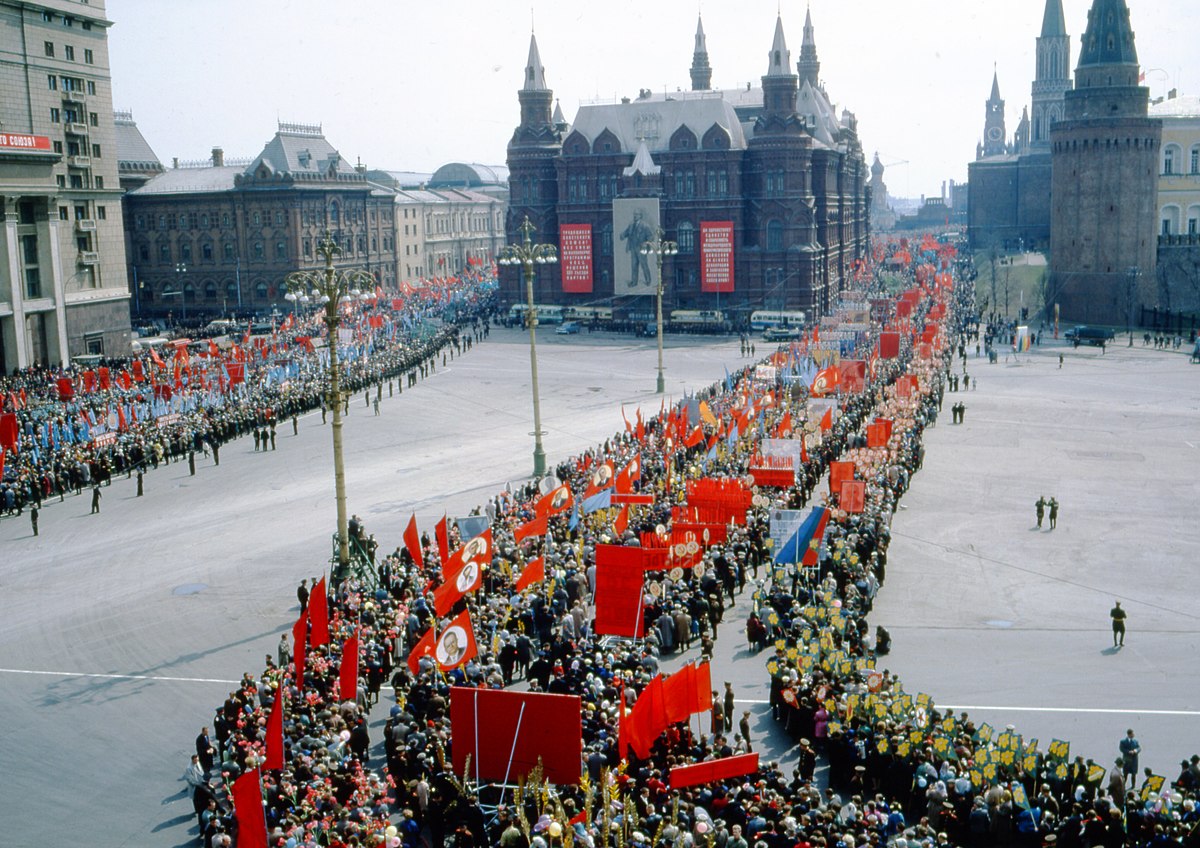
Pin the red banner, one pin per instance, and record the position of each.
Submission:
(575, 255)
(839, 471)
(853, 495)
(889, 345)
(506, 733)
(716, 257)
(713, 770)
(20, 141)
(619, 575)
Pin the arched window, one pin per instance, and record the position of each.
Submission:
(334, 214)
(189, 293)
(231, 290)
(1194, 161)
(1171, 159)
(686, 235)
(210, 290)
(261, 290)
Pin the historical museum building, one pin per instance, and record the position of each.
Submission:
(764, 190)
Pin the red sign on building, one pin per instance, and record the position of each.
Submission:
(716, 256)
(575, 255)
(19, 141)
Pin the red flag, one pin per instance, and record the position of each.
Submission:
(649, 718)
(443, 539)
(641, 426)
(558, 500)
(299, 631)
(156, 359)
(274, 760)
(695, 437)
(535, 572)
(827, 420)
(826, 381)
(213, 350)
(814, 547)
(628, 426)
(784, 427)
(248, 810)
(679, 694)
(601, 478)
(318, 614)
(622, 522)
(423, 648)
(455, 644)
(803, 450)
(477, 550)
(466, 579)
(704, 690)
(348, 673)
(537, 527)
(412, 541)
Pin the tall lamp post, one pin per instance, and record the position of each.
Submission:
(333, 289)
(527, 254)
(1134, 274)
(180, 270)
(660, 249)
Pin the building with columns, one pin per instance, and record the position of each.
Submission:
(63, 292)
(765, 189)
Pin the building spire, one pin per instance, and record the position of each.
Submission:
(809, 66)
(701, 70)
(780, 60)
(1054, 22)
(535, 74)
(995, 84)
(1109, 36)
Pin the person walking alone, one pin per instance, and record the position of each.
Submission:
(96, 500)
(1040, 507)
(1053, 504)
(1130, 748)
(1118, 625)
(33, 518)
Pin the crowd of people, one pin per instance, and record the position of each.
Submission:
(901, 772)
(71, 428)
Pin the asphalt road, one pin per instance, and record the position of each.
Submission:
(120, 633)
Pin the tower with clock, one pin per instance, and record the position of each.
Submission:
(993, 127)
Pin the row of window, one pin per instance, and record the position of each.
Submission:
(72, 116)
(258, 250)
(74, 148)
(69, 53)
(682, 183)
(79, 181)
(66, 20)
(70, 84)
(1172, 218)
(81, 213)
(1173, 160)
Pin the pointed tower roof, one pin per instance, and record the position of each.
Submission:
(535, 74)
(877, 166)
(1109, 36)
(701, 71)
(995, 86)
(1054, 23)
(809, 39)
(559, 119)
(809, 66)
(780, 60)
(643, 163)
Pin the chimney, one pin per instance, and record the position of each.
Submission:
(174, 161)
(218, 157)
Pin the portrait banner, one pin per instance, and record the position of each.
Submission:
(575, 256)
(713, 770)
(716, 257)
(635, 222)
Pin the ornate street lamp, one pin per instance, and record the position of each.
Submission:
(333, 289)
(181, 270)
(527, 254)
(660, 249)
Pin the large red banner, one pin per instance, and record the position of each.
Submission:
(506, 733)
(889, 345)
(21, 141)
(716, 256)
(853, 496)
(713, 770)
(575, 241)
(620, 572)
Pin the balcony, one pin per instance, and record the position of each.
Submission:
(79, 161)
(73, 96)
(85, 225)
(1179, 240)
(89, 257)
(77, 129)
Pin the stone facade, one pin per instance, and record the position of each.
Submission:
(778, 163)
(1105, 160)
(212, 238)
(63, 248)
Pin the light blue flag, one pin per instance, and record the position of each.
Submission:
(598, 501)
(794, 548)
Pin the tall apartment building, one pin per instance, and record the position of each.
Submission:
(62, 259)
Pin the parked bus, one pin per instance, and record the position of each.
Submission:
(763, 319)
(589, 314)
(545, 314)
(698, 321)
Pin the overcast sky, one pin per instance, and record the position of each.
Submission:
(408, 85)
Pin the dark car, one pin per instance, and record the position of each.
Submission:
(1095, 336)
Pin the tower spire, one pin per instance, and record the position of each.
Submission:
(1054, 22)
(535, 74)
(780, 60)
(701, 70)
(809, 66)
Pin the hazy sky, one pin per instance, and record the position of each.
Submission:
(407, 85)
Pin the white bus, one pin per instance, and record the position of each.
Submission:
(590, 314)
(545, 314)
(762, 319)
